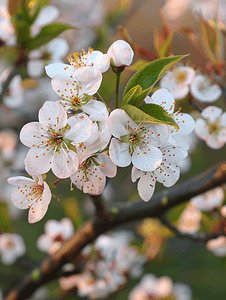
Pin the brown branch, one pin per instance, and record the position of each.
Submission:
(200, 238)
(157, 206)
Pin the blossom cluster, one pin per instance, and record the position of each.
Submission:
(106, 266)
(77, 138)
(184, 79)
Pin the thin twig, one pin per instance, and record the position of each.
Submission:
(200, 238)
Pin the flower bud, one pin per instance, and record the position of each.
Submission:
(120, 54)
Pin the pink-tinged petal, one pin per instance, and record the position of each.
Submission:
(147, 158)
(65, 163)
(119, 122)
(146, 186)
(68, 227)
(47, 15)
(23, 197)
(201, 129)
(214, 142)
(168, 173)
(64, 86)
(52, 115)
(180, 91)
(222, 135)
(158, 134)
(204, 92)
(173, 154)
(81, 128)
(119, 153)
(99, 60)
(163, 98)
(135, 174)
(222, 120)
(30, 134)
(89, 78)
(97, 110)
(121, 53)
(44, 243)
(78, 179)
(20, 180)
(38, 160)
(59, 68)
(52, 228)
(211, 113)
(168, 81)
(107, 167)
(185, 122)
(95, 187)
(35, 68)
(58, 47)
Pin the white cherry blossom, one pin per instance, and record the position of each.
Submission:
(120, 54)
(167, 173)
(92, 172)
(50, 141)
(136, 143)
(56, 232)
(52, 52)
(7, 30)
(78, 60)
(12, 246)
(177, 81)
(190, 220)
(34, 194)
(209, 200)
(211, 127)
(217, 246)
(76, 91)
(203, 90)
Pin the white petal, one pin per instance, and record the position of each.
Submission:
(44, 243)
(35, 68)
(185, 122)
(31, 134)
(20, 180)
(211, 113)
(158, 134)
(180, 91)
(65, 163)
(222, 120)
(99, 60)
(58, 47)
(59, 68)
(163, 98)
(21, 198)
(119, 153)
(168, 173)
(47, 15)
(81, 129)
(121, 53)
(52, 115)
(173, 154)
(107, 167)
(64, 86)
(38, 160)
(89, 78)
(96, 109)
(146, 186)
(38, 210)
(119, 121)
(135, 174)
(147, 158)
(201, 129)
(214, 142)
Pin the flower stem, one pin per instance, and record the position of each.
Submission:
(57, 181)
(117, 90)
(102, 99)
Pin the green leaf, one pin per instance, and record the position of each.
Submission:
(151, 113)
(150, 74)
(139, 65)
(132, 94)
(47, 34)
(5, 221)
(165, 48)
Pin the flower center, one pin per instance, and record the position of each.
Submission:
(79, 60)
(58, 238)
(214, 128)
(180, 75)
(9, 244)
(135, 137)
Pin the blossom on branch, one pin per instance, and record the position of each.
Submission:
(120, 54)
(34, 194)
(212, 127)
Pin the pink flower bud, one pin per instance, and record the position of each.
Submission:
(120, 54)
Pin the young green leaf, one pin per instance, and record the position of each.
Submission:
(151, 113)
(150, 74)
(132, 95)
(48, 33)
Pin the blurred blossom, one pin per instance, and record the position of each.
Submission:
(178, 81)
(182, 291)
(211, 127)
(52, 52)
(56, 232)
(190, 220)
(8, 143)
(39, 294)
(13, 97)
(107, 266)
(217, 246)
(185, 164)
(203, 90)
(209, 200)
(183, 13)
(12, 246)
(223, 211)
